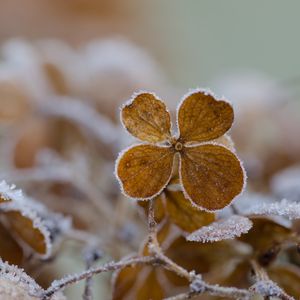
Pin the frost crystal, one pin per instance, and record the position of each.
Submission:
(8, 192)
(222, 230)
(283, 208)
(268, 288)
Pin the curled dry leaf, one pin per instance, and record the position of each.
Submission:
(229, 228)
(210, 174)
(31, 230)
(172, 205)
(30, 222)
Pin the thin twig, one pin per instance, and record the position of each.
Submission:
(91, 255)
(61, 284)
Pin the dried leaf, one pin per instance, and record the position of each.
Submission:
(9, 249)
(29, 227)
(144, 170)
(211, 176)
(147, 118)
(202, 118)
(183, 214)
(265, 234)
(229, 228)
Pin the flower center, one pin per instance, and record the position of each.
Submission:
(178, 146)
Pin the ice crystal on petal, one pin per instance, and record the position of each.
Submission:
(283, 208)
(222, 230)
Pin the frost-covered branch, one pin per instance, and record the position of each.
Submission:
(61, 284)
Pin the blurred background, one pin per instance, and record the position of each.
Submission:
(67, 65)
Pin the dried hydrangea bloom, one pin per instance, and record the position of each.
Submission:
(210, 174)
(15, 284)
(172, 205)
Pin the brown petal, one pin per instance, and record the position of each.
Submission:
(147, 118)
(202, 118)
(27, 229)
(145, 170)
(211, 175)
(183, 214)
(9, 249)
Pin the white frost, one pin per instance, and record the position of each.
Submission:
(283, 208)
(222, 230)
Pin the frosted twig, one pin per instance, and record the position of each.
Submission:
(61, 284)
(264, 286)
(228, 292)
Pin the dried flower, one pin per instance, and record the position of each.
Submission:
(210, 174)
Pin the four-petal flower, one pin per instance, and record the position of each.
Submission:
(210, 174)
